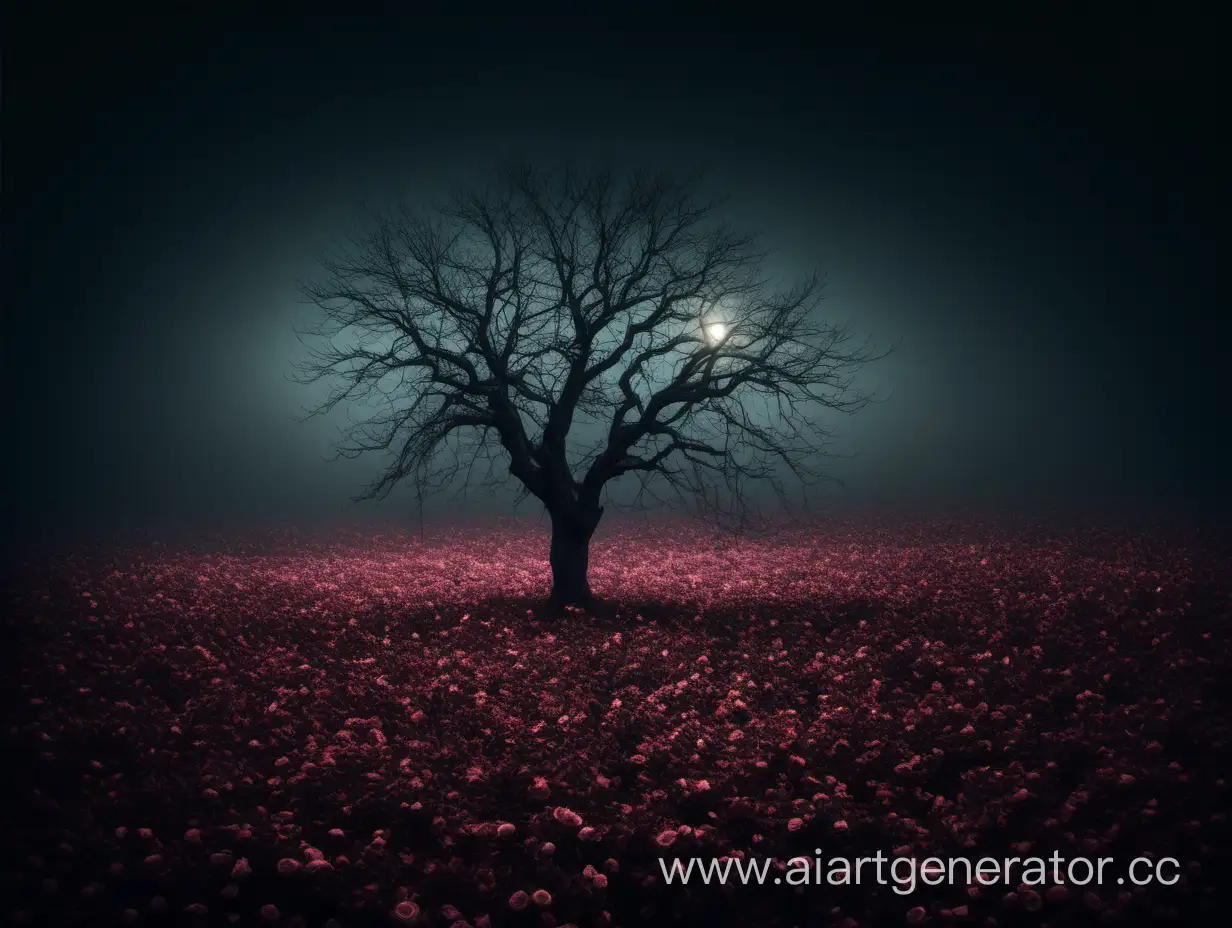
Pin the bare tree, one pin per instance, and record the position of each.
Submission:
(513, 322)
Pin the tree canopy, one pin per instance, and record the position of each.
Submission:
(486, 330)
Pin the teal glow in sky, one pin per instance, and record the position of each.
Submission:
(1035, 233)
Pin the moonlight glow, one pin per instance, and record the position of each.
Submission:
(715, 332)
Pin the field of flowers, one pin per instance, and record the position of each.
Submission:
(368, 729)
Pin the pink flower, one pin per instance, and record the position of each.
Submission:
(518, 901)
(567, 817)
(506, 830)
(406, 912)
(666, 838)
(288, 865)
(542, 897)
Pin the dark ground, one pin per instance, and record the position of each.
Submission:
(365, 713)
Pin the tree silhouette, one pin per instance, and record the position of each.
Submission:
(580, 328)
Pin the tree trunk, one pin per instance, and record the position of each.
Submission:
(570, 556)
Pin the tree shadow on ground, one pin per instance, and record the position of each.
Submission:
(690, 615)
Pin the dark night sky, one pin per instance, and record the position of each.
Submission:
(1031, 211)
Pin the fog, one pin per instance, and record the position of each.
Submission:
(1033, 229)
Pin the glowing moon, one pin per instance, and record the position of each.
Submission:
(716, 332)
